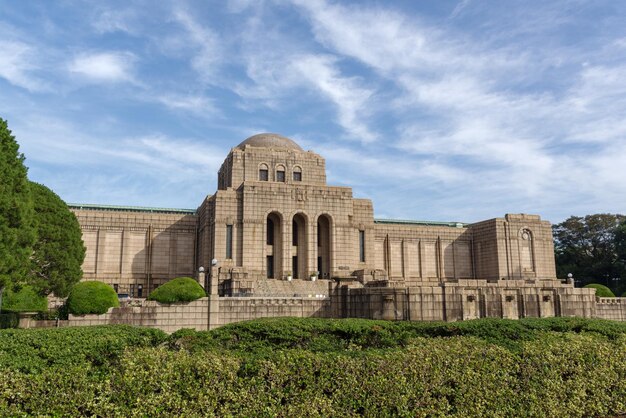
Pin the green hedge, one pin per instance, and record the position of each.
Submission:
(493, 368)
(182, 289)
(9, 320)
(601, 290)
(24, 299)
(91, 297)
(562, 374)
(36, 350)
(261, 336)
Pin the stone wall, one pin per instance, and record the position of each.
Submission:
(168, 318)
(413, 253)
(196, 315)
(237, 309)
(469, 299)
(447, 302)
(611, 308)
(133, 249)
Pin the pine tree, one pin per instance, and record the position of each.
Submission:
(17, 233)
(59, 251)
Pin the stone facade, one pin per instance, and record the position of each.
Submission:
(274, 228)
(273, 216)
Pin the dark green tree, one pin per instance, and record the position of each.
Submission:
(588, 247)
(17, 233)
(59, 251)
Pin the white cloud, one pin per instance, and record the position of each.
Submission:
(18, 61)
(104, 66)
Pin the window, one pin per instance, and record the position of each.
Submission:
(115, 287)
(294, 233)
(229, 241)
(294, 266)
(362, 246)
(139, 290)
(270, 266)
(132, 290)
(263, 172)
(280, 175)
(270, 232)
(297, 174)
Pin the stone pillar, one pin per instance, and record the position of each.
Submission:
(213, 300)
(201, 278)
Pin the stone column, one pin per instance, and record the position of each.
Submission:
(213, 300)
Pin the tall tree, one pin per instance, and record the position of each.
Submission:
(59, 251)
(587, 247)
(17, 233)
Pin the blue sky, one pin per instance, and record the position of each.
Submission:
(436, 110)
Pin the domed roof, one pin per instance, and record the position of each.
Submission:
(268, 140)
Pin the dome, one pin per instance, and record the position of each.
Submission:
(268, 140)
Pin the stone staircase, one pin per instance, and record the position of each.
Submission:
(293, 288)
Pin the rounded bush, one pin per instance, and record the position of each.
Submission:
(91, 297)
(601, 290)
(182, 289)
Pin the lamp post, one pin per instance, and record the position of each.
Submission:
(570, 278)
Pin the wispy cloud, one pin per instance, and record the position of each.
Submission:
(205, 44)
(18, 61)
(111, 21)
(433, 110)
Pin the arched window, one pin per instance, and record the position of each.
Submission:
(297, 173)
(280, 173)
(263, 172)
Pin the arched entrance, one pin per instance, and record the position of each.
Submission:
(273, 246)
(299, 250)
(323, 246)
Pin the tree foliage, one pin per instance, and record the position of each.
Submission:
(592, 248)
(23, 299)
(17, 233)
(59, 251)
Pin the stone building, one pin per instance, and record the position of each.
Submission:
(274, 227)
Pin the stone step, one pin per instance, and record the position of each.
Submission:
(293, 288)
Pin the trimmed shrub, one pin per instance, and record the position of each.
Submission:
(32, 351)
(23, 300)
(262, 337)
(91, 297)
(182, 289)
(601, 290)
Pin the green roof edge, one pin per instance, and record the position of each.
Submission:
(427, 223)
(90, 206)
(115, 208)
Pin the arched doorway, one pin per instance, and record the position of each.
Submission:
(323, 246)
(273, 246)
(299, 250)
